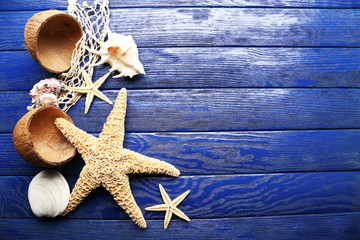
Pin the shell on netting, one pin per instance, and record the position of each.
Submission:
(47, 92)
(48, 194)
(121, 52)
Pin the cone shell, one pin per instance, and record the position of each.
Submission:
(38, 141)
(51, 37)
(48, 194)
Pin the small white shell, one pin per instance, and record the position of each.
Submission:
(121, 53)
(48, 194)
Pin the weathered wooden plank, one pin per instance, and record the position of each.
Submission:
(225, 152)
(240, 27)
(18, 71)
(211, 109)
(62, 4)
(216, 27)
(215, 196)
(312, 226)
(211, 67)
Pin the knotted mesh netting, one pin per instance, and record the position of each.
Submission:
(95, 22)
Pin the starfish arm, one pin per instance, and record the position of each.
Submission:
(84, 185)
(180, 214)
(113, 129)
(89, 98)
(179, 199)
(81, 140)
(102, 96)
(79, 89)
(139, 163)
(157, 208)
(164, 195)
(119, 187)
(86, 78)
(101, 80)
(168, 216)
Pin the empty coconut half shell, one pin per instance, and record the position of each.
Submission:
(51, 38)
(38, 141)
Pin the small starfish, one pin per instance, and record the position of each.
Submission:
(108, 164)
(170, 206)
(91, 89)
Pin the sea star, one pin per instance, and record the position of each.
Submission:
(91, 89)
(170, 206)
(107, 163)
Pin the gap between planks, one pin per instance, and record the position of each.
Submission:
(208, 218)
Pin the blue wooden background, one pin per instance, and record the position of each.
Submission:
(256, 102)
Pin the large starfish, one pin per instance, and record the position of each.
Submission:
(107, 163)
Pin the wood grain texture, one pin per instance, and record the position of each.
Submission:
(212, 67)
(60, 4)
(256, 102)
(211, 109)
(210, 196)
(159, 27)
(319, 226)
(225, 152)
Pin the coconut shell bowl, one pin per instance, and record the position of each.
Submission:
(39, 142)
(51, 38)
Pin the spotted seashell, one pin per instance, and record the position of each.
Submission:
(48, 194)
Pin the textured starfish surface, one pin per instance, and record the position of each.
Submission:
(91, 89)
(107, 163)
(170, 206)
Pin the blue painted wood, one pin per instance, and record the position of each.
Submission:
(224, 152)
(211, 109)
(60, 4)
(210, 196)
(30, 73)
(159, 27)
(312, 226)
(212, 67)
(220, 48)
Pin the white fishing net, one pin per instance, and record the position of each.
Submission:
(95, 22)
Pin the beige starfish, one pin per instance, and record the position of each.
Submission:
(170, 206)
(107, 163)
(91, 89)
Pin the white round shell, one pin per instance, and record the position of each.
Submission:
(48, 194)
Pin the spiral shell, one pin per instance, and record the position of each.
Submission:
(121, 53)
(48, 194)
